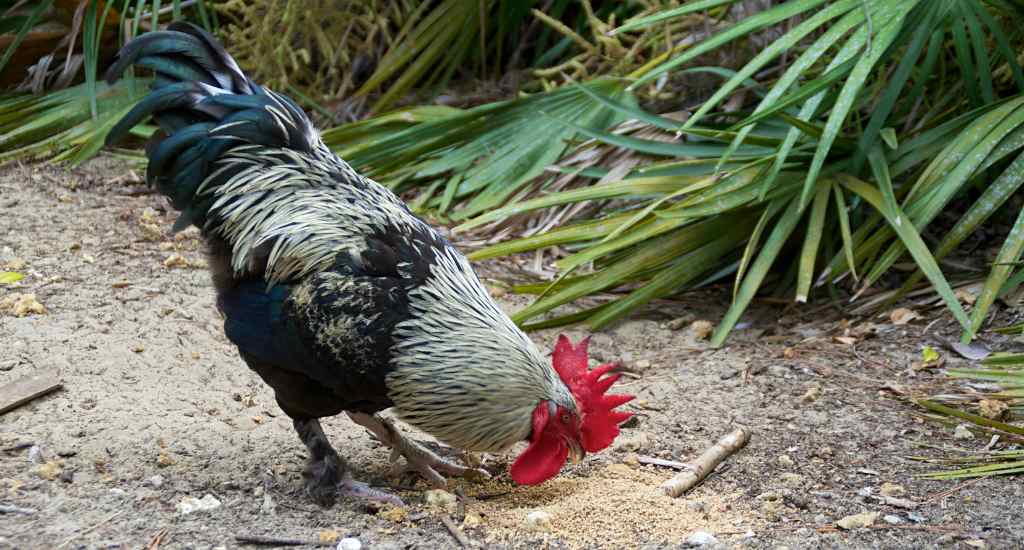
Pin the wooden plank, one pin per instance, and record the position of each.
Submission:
(27, 388)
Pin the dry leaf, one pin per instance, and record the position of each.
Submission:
(701, 329)
(8, 277)
(149, 215)
(965, 296)
(21, 305)
(846, 340)
(15, 264)
(328, 536)
(175, 260)
(992, 408)
(902, 316)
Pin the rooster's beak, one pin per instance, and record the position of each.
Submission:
(576, 452)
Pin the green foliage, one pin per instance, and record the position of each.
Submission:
(884, 114)
(71, 121)
(823, 158)
(990, 412)
(473, 160)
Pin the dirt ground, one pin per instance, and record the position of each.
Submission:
(156, 407)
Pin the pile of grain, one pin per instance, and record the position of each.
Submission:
(614, 506)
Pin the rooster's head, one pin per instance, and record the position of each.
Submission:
(560, 431)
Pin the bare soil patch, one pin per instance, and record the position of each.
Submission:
(157, 407)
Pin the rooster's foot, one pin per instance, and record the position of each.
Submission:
(327, 475)
(418, 458)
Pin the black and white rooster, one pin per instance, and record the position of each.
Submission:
(338, 296)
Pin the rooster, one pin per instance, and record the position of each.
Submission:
(340, 298)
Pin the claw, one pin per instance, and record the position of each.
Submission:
(357, 489)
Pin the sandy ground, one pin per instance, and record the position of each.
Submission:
(156, 407)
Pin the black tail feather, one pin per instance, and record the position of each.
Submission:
(205, 105)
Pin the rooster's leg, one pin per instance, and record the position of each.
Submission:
(327, 474)
(418, 458)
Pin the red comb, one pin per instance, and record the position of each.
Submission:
(600, 423)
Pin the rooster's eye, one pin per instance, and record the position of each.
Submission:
(565, 418)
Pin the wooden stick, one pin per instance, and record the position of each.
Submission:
(706, 463)
(10, 509)
(91, 529)
(157, 540)
(27, 388)
(895, 502)
(663, 463)
(455, 531)
(259, 540)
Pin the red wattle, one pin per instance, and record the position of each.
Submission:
(545, 456)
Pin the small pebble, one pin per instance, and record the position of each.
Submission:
(700, 538)
(48, 470)
(632, 442)
(471, 520)
(267, 507)
(856, 521)
(67, 476)
(155, 482)
(962, 432)
(892, 490)
(790, 479)
(441, 500)
(193, 504)
(785, 461)
(892, 520)
(701, 329)
(349, 543)
(619, 470)
(35, 455)
(538, 520)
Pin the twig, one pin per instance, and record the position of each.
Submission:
(154, 544)
(947, 492)
(706, 463)
(259, 540)
(27, 388)
(91, 529)
(455, 531)
(489, 496)
(662, 462)
(11, 509)
(895, 501)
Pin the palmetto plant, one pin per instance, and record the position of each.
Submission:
(993, 394)
(837, 133)
(860, 124)
(62, 42)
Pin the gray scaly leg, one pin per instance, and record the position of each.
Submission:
(327, 474)
(418, 458)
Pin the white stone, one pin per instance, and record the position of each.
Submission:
(193, 504)
(538, 520)
(349, 543)
(700, 538)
